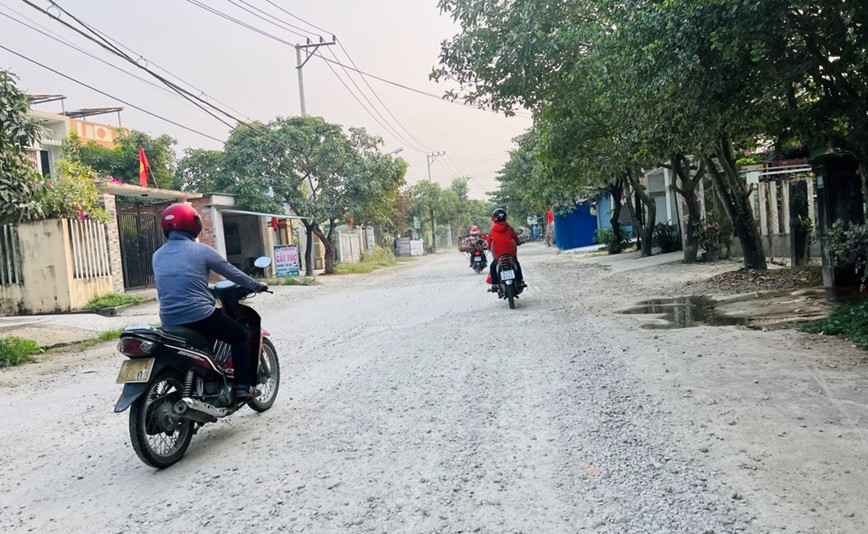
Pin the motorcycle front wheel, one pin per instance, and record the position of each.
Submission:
(159, 437)
(269, 378)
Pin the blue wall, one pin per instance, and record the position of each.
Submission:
(575, 229)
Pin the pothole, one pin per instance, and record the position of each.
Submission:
(767, 310)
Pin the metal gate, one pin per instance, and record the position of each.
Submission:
(140, 236)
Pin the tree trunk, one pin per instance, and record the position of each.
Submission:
(734, 195)
(308, 248)
(326, 240)
(616, 189)
(649, 209)
(433, 233)
(686, 187)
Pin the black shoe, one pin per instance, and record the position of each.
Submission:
(493, 289)
(246, 392)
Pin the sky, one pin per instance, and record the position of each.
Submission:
(227, 64)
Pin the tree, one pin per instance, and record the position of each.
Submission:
(603, 78)
(203, 171)
(122, 160)
(316, 169)
(20, 184)
(428, 205)
(73, 195)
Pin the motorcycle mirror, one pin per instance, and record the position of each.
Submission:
(520, 231)
(262, 262)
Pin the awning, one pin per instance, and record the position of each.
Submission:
(259, 214)
(129, 190)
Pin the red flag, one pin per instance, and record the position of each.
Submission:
(275, 224)
(144, 168)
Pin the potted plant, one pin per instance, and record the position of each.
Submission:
(708, 233)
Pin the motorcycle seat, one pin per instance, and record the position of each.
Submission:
(193, 337)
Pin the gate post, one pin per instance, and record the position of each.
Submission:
(113, 242)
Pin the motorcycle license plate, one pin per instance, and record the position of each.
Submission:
(135, 371)
(507, 275)
(477, 259)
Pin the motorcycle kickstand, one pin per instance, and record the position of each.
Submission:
(196, 427)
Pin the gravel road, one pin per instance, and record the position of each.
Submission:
(413, 401)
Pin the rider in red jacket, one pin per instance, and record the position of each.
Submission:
(503, 240)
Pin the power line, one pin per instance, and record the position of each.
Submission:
(381, 121)
(57, 38)
(104, 43)
(463, 103)
(268, 17)
(391, 130)
(83, 84)
(314, 26)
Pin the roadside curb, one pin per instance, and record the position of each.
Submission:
(113, 312)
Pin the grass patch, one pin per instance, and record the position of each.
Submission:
(381, 258)
(16, 350)
(102, 337)
(112, 300)
(291, 281)
(848, 321)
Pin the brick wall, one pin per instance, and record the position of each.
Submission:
(114, 243)
(208, 235)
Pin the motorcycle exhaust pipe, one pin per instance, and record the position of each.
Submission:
(198, 411)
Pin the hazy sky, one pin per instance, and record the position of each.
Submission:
(394, 39)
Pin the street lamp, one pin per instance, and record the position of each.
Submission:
(396, 151)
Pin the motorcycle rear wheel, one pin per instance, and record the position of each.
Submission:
(509, 290)
(159, 437)
(269, 380)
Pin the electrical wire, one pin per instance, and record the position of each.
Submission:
(382, 121)
(457, 102)
(54, 36)
(314, 26)
(266, 18)
(83, 84)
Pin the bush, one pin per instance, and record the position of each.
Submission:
(848, 247)
(15, 350)
(847, 321)
(111, 300)
(613, 244)
(666, 237)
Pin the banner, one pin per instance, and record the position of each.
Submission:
(286, 260)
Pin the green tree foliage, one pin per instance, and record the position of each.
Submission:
(202, 171)
(318, 170)
(122, 160)
(618, 87)
(73, 195)
(20, 184)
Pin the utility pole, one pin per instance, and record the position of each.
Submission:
(309, 50)
(431, 159)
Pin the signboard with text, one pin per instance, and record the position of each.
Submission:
(286, 260)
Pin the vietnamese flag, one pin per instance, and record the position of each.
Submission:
(144, 168)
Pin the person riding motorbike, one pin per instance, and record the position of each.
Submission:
(181, 270)
(472, 242)
(503, 240)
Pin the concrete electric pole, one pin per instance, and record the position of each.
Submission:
(309, 50)
(431, 159)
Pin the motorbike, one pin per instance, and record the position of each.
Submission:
(507, 288)
(176, 380)
(478, 259)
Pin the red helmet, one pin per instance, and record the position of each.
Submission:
(181, 217)
(474, 229)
